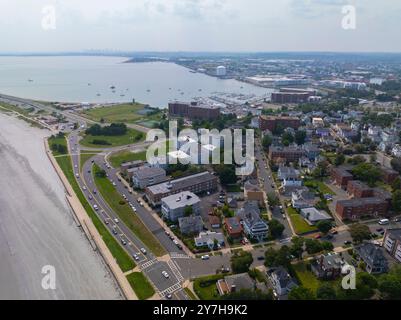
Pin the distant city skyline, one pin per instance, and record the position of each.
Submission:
(198, 26)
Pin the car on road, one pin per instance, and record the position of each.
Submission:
(113, 183)
(84, 188)
(106, 221)
(94, 191)
(165, 274)
(205, 257)
(123, 242)
(76, 166)
(116, 220)
(136, 257)
(77, 175)
(133, 208)
(95, 207)
(114, 230)
(169, 296)
(90, 197)
(384, 221)
(143, 250)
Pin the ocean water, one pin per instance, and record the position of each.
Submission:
(89, 79)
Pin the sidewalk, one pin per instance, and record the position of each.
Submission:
(91, 231)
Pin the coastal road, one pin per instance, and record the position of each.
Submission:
(148, 263)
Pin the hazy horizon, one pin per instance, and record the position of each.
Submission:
(251, 26)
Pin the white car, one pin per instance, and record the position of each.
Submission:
(95, 207)
(116, 220)
(84, 188)
(165, 274)
(133, 208)
(205, 257)
(143, 250)
(136, 258)
(384, 221)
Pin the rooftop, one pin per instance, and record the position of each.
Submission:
(180, 200)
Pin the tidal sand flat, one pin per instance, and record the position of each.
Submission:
(37, 228)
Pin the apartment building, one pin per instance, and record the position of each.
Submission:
(193, 110)
(147, 176)
(272, 123)
(287, 154)
(173, 207)
(392, 243)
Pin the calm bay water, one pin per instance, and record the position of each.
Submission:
(88, 79)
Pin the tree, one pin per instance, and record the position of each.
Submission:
(324, 226)
(287, 138)
(275, 258)
(241, 261)
(390, 284)
(300, 137)
(396, 185)
(360, 232)
(364, 288)
(367, 172)
(266, 141)
(301, 293)
(272, 199)
(396, 201)
(339, 160)
(188, 211)
(326, 292)
(313, 246)
(297, 246)
(276, 228)
(226, 174)
(100, 173)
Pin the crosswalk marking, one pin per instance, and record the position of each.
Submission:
(174, 269)
(171, 289)
(177, 255)
(148, 264)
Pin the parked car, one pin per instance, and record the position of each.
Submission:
(384, 221)
(205, 257)
(165, 274)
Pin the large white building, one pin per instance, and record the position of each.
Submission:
(173, 207)
(221, 71)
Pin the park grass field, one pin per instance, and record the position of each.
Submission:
(125, 113)
(132, 136)
(118, 158)
(140, 285)
(123, 210)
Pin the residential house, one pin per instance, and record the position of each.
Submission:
(302, 198)
(373, 258)
(190, 225)
(281, 281)
(233, 227)
(396, 151)
(214, 221)
(341, 177)
(313, 215)
(311, 151)
(327, 266)
(254, 226)
(209, 239)
(235, 283)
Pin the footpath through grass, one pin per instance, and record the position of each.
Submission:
(122, 257)
(132, 136)
(118, 158)
(123, 210)
(140, 285)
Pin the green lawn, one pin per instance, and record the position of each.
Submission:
(132, 136)
(319, 186)
(190, 293)
(57, 140)
(309, 280)
(122, 257)
(126, 113)
(299, 223)
(131, 220)
(85, 156)
(141, 285)
(205, 287)
(118, 158)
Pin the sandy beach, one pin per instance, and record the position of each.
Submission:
(37, 228)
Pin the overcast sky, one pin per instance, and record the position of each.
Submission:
(200, 25)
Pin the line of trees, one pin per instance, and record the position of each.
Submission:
(115, 129)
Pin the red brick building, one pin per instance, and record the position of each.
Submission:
(358, 189)
(288, 154)
(271, 123)
(356, 208)
(289, 97)
(389, 175)
(341, 177)
(193, 110)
